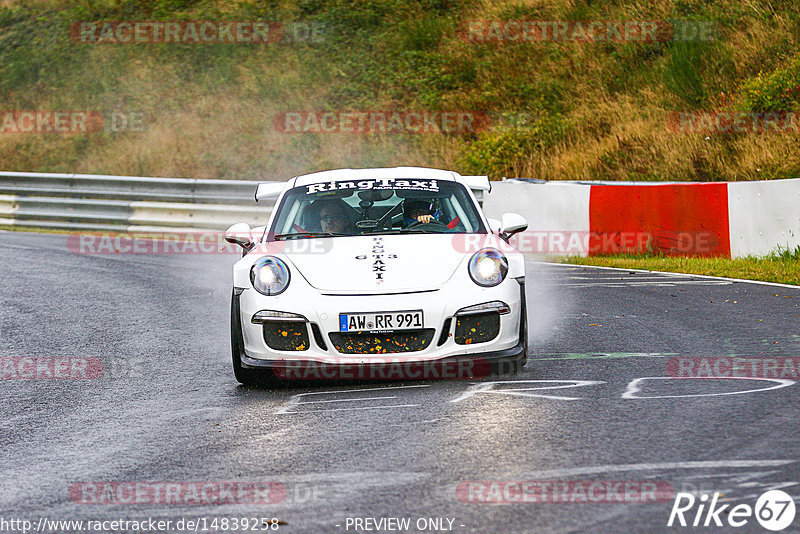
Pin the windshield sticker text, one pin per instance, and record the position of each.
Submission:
(378, 183)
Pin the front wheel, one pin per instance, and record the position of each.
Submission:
(514, 365)
(246, 377)
(522, 360)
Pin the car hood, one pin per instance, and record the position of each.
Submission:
(378, 264)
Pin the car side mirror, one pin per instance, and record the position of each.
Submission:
(511, 224)
(239, 234)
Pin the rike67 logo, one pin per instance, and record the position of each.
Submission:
(774, 510)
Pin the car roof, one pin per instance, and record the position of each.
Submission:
(371, 174)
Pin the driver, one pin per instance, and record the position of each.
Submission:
(420, 211)
(333, 216)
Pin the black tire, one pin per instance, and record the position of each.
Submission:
(519, 363)
(514, 364)
(246, 377)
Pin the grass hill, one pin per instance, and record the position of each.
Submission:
(566, 109)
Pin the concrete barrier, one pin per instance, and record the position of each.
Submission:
(679, 219)
(730, 219)
(763, 216)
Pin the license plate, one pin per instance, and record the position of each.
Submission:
(380, 322)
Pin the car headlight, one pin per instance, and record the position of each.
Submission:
(269, 275)
(488, 267)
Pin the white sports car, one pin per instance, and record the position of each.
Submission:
(394, 269)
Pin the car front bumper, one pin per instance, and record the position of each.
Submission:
(322, 318)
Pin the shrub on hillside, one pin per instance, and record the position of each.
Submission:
(776, 91)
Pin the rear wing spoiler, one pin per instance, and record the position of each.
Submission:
(478, 184)
(269, 190)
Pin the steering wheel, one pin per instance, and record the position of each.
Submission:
(434, 223)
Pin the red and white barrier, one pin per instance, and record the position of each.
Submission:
(763, 216)
(730, 219)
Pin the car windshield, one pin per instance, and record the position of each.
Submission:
(378, 206)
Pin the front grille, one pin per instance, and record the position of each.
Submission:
(318, 336)
(389, 343)
(286, 335)
(477, 328)
(445, 331)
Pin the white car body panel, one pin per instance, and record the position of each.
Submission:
(427, 272)
(405, 264)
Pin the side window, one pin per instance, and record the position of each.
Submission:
(309, 221)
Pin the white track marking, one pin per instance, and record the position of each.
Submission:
(633, 386)
(759, 282)
(348, 400)
(356, 408)
(603, 355)
(488, 388)
(664, 283)
(611, 277)
(296, 400)
(543, 475)
(336, 392)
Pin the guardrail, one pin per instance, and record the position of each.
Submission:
(93, 202)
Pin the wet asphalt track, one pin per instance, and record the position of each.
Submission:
(167, 408)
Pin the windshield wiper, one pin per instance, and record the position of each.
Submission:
(279, 237)
(401, 231)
